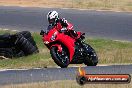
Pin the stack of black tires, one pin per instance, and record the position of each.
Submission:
(17, 45)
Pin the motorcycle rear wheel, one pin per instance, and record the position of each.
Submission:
(91, 56)
(59, 59)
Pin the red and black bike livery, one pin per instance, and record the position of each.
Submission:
(66, 50)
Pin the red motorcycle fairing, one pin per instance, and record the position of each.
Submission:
(59, 47)
(62, 38)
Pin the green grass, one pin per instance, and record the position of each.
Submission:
(109, 52)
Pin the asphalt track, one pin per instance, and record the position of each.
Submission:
(111, 25)
(52, 74)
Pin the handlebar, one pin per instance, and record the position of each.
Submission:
(42, 32)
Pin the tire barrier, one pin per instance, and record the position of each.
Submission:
(17, 45)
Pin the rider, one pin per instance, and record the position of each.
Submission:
(61, 24)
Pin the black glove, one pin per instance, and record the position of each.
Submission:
(64, 22)
(74, 33)
(42, 32)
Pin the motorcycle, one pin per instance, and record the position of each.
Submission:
(66, 50)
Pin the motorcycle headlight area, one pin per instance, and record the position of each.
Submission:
(53, 37)
(46, 42)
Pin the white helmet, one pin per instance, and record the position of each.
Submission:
(52, 17)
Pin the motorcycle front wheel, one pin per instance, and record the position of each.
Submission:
(61, 59)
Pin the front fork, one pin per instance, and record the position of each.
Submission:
(59, 47)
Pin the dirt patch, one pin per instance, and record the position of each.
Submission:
(35, 3)
(66, 84)
(113, 5)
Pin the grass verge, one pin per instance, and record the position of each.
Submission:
(66, 84)
(114, 5)
(109, 52)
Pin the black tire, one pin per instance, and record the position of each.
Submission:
(18, 53)
(31, 40)
(91, 58)
(5, 36)
(6, 44)
(26, 34)
(6, 52)
(23, 44)
(57, 58)
(6, 41)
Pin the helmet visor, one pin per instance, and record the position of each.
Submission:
(51, 21)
